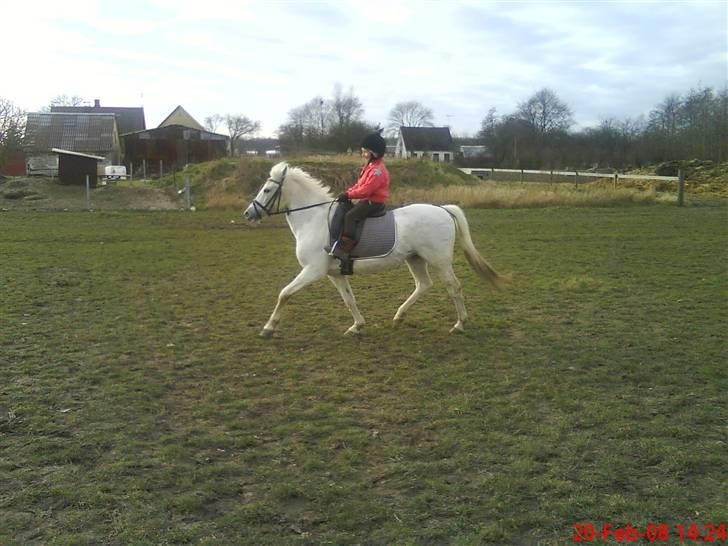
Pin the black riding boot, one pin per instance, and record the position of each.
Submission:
(342, 250)
(347, 266)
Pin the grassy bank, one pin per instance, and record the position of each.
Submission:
(139, 406)
(229, 183)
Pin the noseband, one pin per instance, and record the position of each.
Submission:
(274, 200)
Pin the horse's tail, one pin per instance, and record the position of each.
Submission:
(477, 262)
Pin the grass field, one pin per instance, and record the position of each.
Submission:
(139, 406)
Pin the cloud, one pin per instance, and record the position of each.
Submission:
(608, 59)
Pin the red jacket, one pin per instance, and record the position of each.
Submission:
(373, 183)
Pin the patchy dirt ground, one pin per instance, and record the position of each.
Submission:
(47, 194)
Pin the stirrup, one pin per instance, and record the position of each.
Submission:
(334, 249)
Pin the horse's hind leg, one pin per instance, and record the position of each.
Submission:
(344, 288)
(452, 284)
(423, 282)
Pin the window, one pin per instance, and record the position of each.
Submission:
(436, 156)
(446, 157)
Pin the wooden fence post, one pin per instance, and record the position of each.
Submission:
(616, 176)
(161, 169)
(144, 169)
(88, 193)
(576, 179)
(680, 188)
(521, 176)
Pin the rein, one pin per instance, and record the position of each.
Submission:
(286, 211)
(276, 200)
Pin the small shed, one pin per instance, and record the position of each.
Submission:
(74, 167)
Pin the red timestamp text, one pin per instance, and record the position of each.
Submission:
(652, 532)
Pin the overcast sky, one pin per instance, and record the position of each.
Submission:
(459, 58)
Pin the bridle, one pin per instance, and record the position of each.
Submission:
(275, 200)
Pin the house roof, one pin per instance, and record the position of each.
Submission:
(426, 138)
(180, 116)
(75, 132)
(128, 119)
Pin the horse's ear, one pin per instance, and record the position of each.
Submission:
(285, 170)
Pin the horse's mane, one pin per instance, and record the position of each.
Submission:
(303, 179)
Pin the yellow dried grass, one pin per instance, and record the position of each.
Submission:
(493, 195)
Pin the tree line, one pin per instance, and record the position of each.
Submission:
(537, 135)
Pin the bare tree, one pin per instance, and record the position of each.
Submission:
(325, 124)
(309, 124)
(12, 128)
(409, 114)
(293, 131)
(346, 109)
(238, 126)
(546, 112)
(213, 122)
(65, 100)
(488, 125)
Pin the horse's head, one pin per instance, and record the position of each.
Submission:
(268, 198)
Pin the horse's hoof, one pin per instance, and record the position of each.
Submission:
(397, 321)
(353, 331)
(266, 332)
(457, 329)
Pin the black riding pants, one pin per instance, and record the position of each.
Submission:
(361, 210)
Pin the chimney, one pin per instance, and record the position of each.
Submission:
(97, 103)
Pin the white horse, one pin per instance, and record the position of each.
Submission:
(426, 236)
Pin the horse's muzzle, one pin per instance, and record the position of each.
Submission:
(252, 213)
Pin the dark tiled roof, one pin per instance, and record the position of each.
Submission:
(74, 132)
(426, 138)
(127, 119)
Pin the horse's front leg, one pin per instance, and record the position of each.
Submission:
(306, 276)
(344, 288)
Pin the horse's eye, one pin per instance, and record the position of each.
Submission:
(267, 190)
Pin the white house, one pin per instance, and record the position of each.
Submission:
(433, 143)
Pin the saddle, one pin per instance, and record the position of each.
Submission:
(376, 236)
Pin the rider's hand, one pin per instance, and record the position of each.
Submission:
(343, 198)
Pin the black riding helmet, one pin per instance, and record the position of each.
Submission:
(375, 143)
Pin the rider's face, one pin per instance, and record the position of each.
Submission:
(366, 154)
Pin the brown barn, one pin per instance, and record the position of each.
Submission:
(178, 140)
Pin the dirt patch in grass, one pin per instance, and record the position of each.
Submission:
(43, 193)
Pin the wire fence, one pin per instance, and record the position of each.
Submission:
(575, 177)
